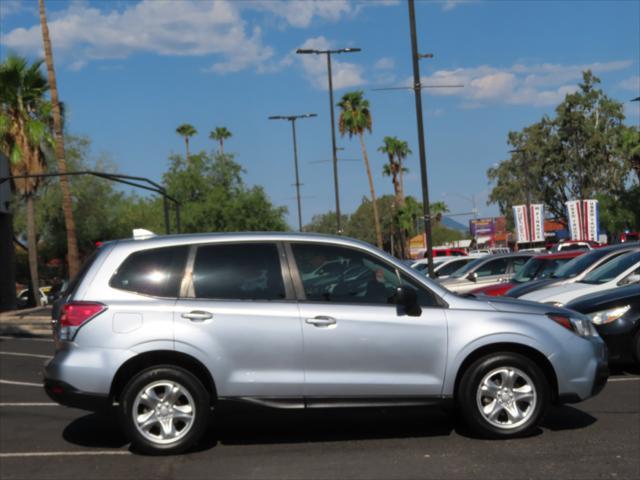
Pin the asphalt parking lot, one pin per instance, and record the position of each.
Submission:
(599, 438)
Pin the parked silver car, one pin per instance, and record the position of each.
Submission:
(166, 328)
(486, 271)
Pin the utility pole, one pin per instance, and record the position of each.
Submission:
(292, 119)
(417, 88)
(527, 189)
(334, 150)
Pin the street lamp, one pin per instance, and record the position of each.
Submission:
(311, 51)
(292, 119)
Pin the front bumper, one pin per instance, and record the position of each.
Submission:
(582, 372)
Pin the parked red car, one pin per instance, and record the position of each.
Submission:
(448, 252)
(540, 266)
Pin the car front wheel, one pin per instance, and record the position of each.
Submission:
(503, 395)
(165, 410)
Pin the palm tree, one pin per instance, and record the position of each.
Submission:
(24, 130)
(438, 209)
(396, 151)
(186, 131)
(355, 118)
(73, 256)
(220, 134)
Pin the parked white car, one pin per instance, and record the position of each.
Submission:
(621, 271)
(443, 266)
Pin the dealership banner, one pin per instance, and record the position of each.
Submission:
(583, 219)
(529, 225)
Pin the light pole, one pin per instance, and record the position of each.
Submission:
(292, 119)
(310, 51)
(417, 89)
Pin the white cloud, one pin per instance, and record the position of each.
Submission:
(538, 85)
(345, 74)
(448, 5)
(301, 13)
(631, 83)
(385, 63)
(84, 32)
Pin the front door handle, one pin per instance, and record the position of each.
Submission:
(321, 321)
(197, 316)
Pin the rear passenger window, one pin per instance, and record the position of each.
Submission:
(157, 272)
(248, 271)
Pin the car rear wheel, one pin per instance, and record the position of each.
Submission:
(165, 410)
(503, 395)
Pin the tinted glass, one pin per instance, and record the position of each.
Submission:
(493, 267)
(248, 271)
(157, 272)
(461, 272)
(579, 264)
(360, 278)
(612, 269)
(451, 267)
(518, 263)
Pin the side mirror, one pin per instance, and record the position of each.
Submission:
(473, 276)
(408, 298)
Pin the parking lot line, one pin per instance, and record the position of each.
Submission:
(29, 404)
(24, 384)
(31, 339)
(63, 454)
(624, 379)
(19, 354)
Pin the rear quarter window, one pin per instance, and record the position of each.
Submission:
(157, 272)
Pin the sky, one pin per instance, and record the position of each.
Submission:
(130, 72)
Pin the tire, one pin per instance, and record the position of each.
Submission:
(164, 410)
(503, 395)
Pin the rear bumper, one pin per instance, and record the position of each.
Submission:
(69, 396)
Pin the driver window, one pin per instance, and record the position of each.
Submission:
(343, 275)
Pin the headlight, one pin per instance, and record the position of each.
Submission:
(580, 325)
(607, 316)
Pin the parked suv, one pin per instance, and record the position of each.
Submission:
(164, 329)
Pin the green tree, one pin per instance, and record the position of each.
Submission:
(220, 134)
(24, 134)
(574, 155)
(67, 207)
(104, 211)
(630, 148)
(355, 119)
(214, 197)
(186, 131)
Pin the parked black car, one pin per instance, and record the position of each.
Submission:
(616, 315)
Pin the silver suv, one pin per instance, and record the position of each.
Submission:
(166, 328)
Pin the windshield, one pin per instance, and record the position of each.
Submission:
(468, 267)
(529, 271)
(611, 270)
(539, 268)
(579, 264)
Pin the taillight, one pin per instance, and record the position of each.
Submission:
(75, 314)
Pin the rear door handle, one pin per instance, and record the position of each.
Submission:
(197, 315)
(321, 321)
